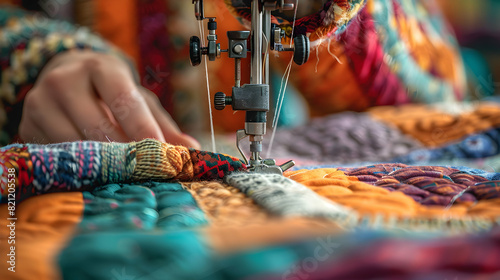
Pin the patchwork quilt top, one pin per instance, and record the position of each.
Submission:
(393, 193)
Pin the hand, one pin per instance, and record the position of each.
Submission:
(84, 95)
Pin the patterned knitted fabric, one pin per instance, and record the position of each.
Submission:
(342, 138)
(426, 185)
(390, 53)
(397, 40)
(284, 197)
(155, 230)
(356, 204)
(79, 166)
(404, 196)
(225, 205)
(333, 16)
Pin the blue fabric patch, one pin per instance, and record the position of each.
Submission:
(481, 145)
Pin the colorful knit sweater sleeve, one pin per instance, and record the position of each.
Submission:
(28, 170)
(27, 42)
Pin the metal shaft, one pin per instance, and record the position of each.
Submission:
(255, 123)
(267, 33)
(237, 72)
(256, 77)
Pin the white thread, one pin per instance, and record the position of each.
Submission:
(283, 90)
(317, 58)
(332, 54)
(202, 34)
(277, 112)
(281, 95)
(275, 121)
(290, 177)
(266, 55)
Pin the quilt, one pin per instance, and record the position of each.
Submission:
(406, 192)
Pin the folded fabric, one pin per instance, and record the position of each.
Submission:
(342, 138)
(387, 55)
(80, 166)
(333, 16)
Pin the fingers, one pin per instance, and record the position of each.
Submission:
(93, 118)
(85, 95)
(116, 87)
(67, 94)
(46, 123)
(170, 130)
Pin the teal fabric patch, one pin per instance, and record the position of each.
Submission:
(134, 255)
(145, 206)
(137, 231)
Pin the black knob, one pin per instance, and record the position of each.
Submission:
(238, 35)
(220, 101)
(301, 49)
(194, 51)
(212, 25)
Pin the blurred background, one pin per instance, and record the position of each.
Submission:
(477, 27)
(155, 35)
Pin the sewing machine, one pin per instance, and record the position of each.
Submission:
(253, 98)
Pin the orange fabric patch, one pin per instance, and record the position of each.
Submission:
(44, 225)
(230, 239)
(433, 127)
(488, 208)
(225, 205)
(368, 199)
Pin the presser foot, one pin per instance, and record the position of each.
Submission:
(258, 165)
(268, 166)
